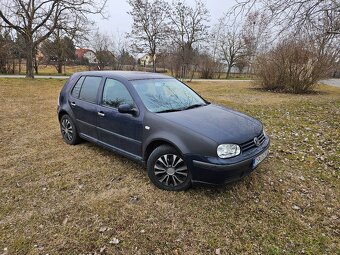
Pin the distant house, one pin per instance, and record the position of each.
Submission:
(39, 55)
(86, 54)
(145, 60)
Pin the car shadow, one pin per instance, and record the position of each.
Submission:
(205, 189)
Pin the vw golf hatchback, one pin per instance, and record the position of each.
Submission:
(158, 121)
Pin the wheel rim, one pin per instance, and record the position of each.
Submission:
(171, 170)
(66, 129)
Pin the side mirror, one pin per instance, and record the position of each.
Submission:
(127, 108)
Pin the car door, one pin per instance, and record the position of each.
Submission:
(83, 101)
(120, 131)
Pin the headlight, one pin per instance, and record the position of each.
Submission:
(228, 150)
(264, 132)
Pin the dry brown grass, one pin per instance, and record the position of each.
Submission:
(61, 199)
(51, 70)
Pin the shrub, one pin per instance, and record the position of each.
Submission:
(292, 66)
(207, 66)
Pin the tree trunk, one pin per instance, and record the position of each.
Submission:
(193, 72)
(60, 67)
(13, 65)
(228, 71)
(20, 65)
(29, 60)
(154, 63)
(36, 65)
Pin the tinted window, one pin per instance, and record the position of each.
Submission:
(115, 94)
(76, 88)
(88, 91)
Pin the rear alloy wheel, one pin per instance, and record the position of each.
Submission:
(167, 170)
(68, 130)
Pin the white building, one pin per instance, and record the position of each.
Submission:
(145, 60)
(88, 54)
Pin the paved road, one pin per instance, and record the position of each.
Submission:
(331, 82)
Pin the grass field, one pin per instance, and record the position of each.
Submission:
(60, 199)
(51, 70)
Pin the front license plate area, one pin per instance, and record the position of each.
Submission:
(260, 158)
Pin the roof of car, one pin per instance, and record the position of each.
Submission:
(129, 75)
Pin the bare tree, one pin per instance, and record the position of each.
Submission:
(231, 45)
(149, 25)
(256, 35)
(207, 65)
(58, 51)
(36, 20)
(188, 26)
(125, 58)
(102, 45)
(5, 51)
(292, 14)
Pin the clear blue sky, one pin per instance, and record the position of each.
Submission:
(120, 22)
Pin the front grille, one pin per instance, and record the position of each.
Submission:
(250, 144)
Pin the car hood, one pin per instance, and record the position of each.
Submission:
(218, 123)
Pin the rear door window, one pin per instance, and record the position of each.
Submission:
(77, 87)
(89, 89)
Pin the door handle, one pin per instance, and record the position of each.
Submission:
(73, 103)
(101, 114)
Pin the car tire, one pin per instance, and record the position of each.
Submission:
(167, 169)
(68, 130)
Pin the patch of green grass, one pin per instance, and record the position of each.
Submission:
(61, 199)
(21, 246)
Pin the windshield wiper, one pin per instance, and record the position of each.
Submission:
(170, 110)
(182, 109)
(194, 106)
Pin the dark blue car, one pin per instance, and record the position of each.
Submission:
(159, 121)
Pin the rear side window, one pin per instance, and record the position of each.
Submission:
(115, 94)
(89, 89)
(77, 87)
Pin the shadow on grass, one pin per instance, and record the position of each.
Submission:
(208, 190)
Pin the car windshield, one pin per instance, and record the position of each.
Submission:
(166, 95)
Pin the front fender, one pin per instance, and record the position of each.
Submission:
(185, 140)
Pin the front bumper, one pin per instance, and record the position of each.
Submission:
(218, 171)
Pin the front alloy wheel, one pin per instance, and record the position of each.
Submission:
(167, 169)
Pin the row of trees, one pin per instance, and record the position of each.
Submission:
(178, 37)
(9, 51)
(112, 51)
(159, 26)
(285, 42)
(180, 33)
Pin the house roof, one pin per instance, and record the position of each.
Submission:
(80, 52)
(142, 55)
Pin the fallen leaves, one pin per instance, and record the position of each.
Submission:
(114, 241)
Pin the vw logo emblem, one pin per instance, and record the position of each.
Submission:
(257, 142)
